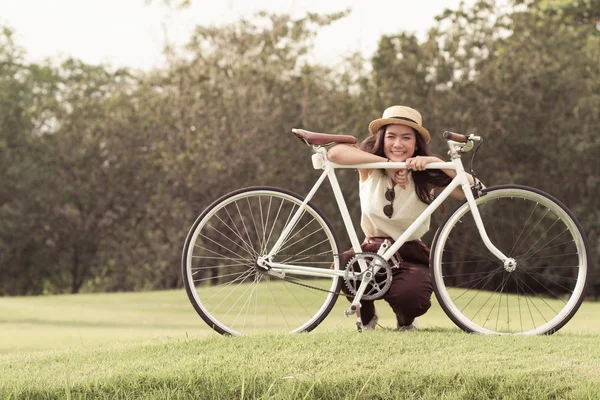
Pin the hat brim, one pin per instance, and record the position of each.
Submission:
(378, 123)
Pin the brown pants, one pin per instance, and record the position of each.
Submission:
(410, 292)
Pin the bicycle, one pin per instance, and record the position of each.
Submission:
(508, 259)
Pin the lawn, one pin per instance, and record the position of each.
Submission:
(153, 345)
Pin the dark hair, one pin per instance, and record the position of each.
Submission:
(424, 180)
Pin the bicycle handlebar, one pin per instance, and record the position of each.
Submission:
(457, 137)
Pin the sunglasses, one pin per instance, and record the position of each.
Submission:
(390, 195)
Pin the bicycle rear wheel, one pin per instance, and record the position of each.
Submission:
(546, 288)
(227, 288)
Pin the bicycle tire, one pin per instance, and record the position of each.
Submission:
(548, 285)
(221, 249)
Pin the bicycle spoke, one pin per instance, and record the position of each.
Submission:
(533, 229)
(488, 299)
(288, 238)
(486, 295)
(239, 296)
(476, 253)
(466, 262)
(244, 225)
(553, 256)
(220, 276)
(226, 237)
(274, 220)
(504, 280)
(246, 304)
(535, 306)
(263, 249)
(312, 247)
(220, 245)
(214, 252)
(510, 253)
(534, 273)
(526, 257)
(496, 236)
(197, 269)
(236, 302)
(260, 244)
(237, 231)
(478, 280)
(301, 240)
(299, 301)
(555, 266)
(541, 237)
(237, 280)
(478, 291)
(248, 247)
(275, 302)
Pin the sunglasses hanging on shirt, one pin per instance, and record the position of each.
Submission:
(390, 195)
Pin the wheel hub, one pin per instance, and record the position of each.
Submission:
(262, 264)
(510, 264)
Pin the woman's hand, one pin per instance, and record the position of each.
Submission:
(401, 178)
(418, 163)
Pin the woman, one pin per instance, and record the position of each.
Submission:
(391, 200)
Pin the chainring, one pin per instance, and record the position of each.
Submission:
(380, 282)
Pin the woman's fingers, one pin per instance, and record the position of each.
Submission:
(417, 163)
(402, 174)
(401, 178)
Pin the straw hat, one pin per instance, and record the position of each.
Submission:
(401, 115)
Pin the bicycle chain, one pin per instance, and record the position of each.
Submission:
(339, 292)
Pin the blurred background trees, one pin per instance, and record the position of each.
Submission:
(103, 171)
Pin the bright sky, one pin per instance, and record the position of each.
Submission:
(132, 33)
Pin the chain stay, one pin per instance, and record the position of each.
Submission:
(291, 280)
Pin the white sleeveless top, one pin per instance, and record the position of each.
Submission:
(407, 208)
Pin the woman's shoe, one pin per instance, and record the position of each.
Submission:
(368, 327)
(410, 327)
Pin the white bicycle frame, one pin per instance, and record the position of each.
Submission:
(320, 161)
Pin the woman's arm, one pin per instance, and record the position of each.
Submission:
(345, 154)
(418, 164)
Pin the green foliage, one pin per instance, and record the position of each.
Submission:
(102, 171)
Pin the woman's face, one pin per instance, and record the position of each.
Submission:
(399, 142)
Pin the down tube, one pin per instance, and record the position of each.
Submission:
(424, 215)
(339, 198)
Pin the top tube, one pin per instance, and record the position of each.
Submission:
(393, 165)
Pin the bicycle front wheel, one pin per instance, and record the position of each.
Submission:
(219, 264)
(537, 296)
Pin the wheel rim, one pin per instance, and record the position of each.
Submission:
(235, 296)
(483, 295)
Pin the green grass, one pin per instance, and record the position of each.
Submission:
(251, 308)
(153, 345)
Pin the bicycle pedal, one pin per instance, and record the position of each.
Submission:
(359, 324)
(349, 311)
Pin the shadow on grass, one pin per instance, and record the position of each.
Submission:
(422, 330)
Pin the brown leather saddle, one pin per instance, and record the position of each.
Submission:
(322, 139)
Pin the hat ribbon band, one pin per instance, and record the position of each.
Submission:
(406, 119)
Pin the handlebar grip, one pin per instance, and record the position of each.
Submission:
(457, 137)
